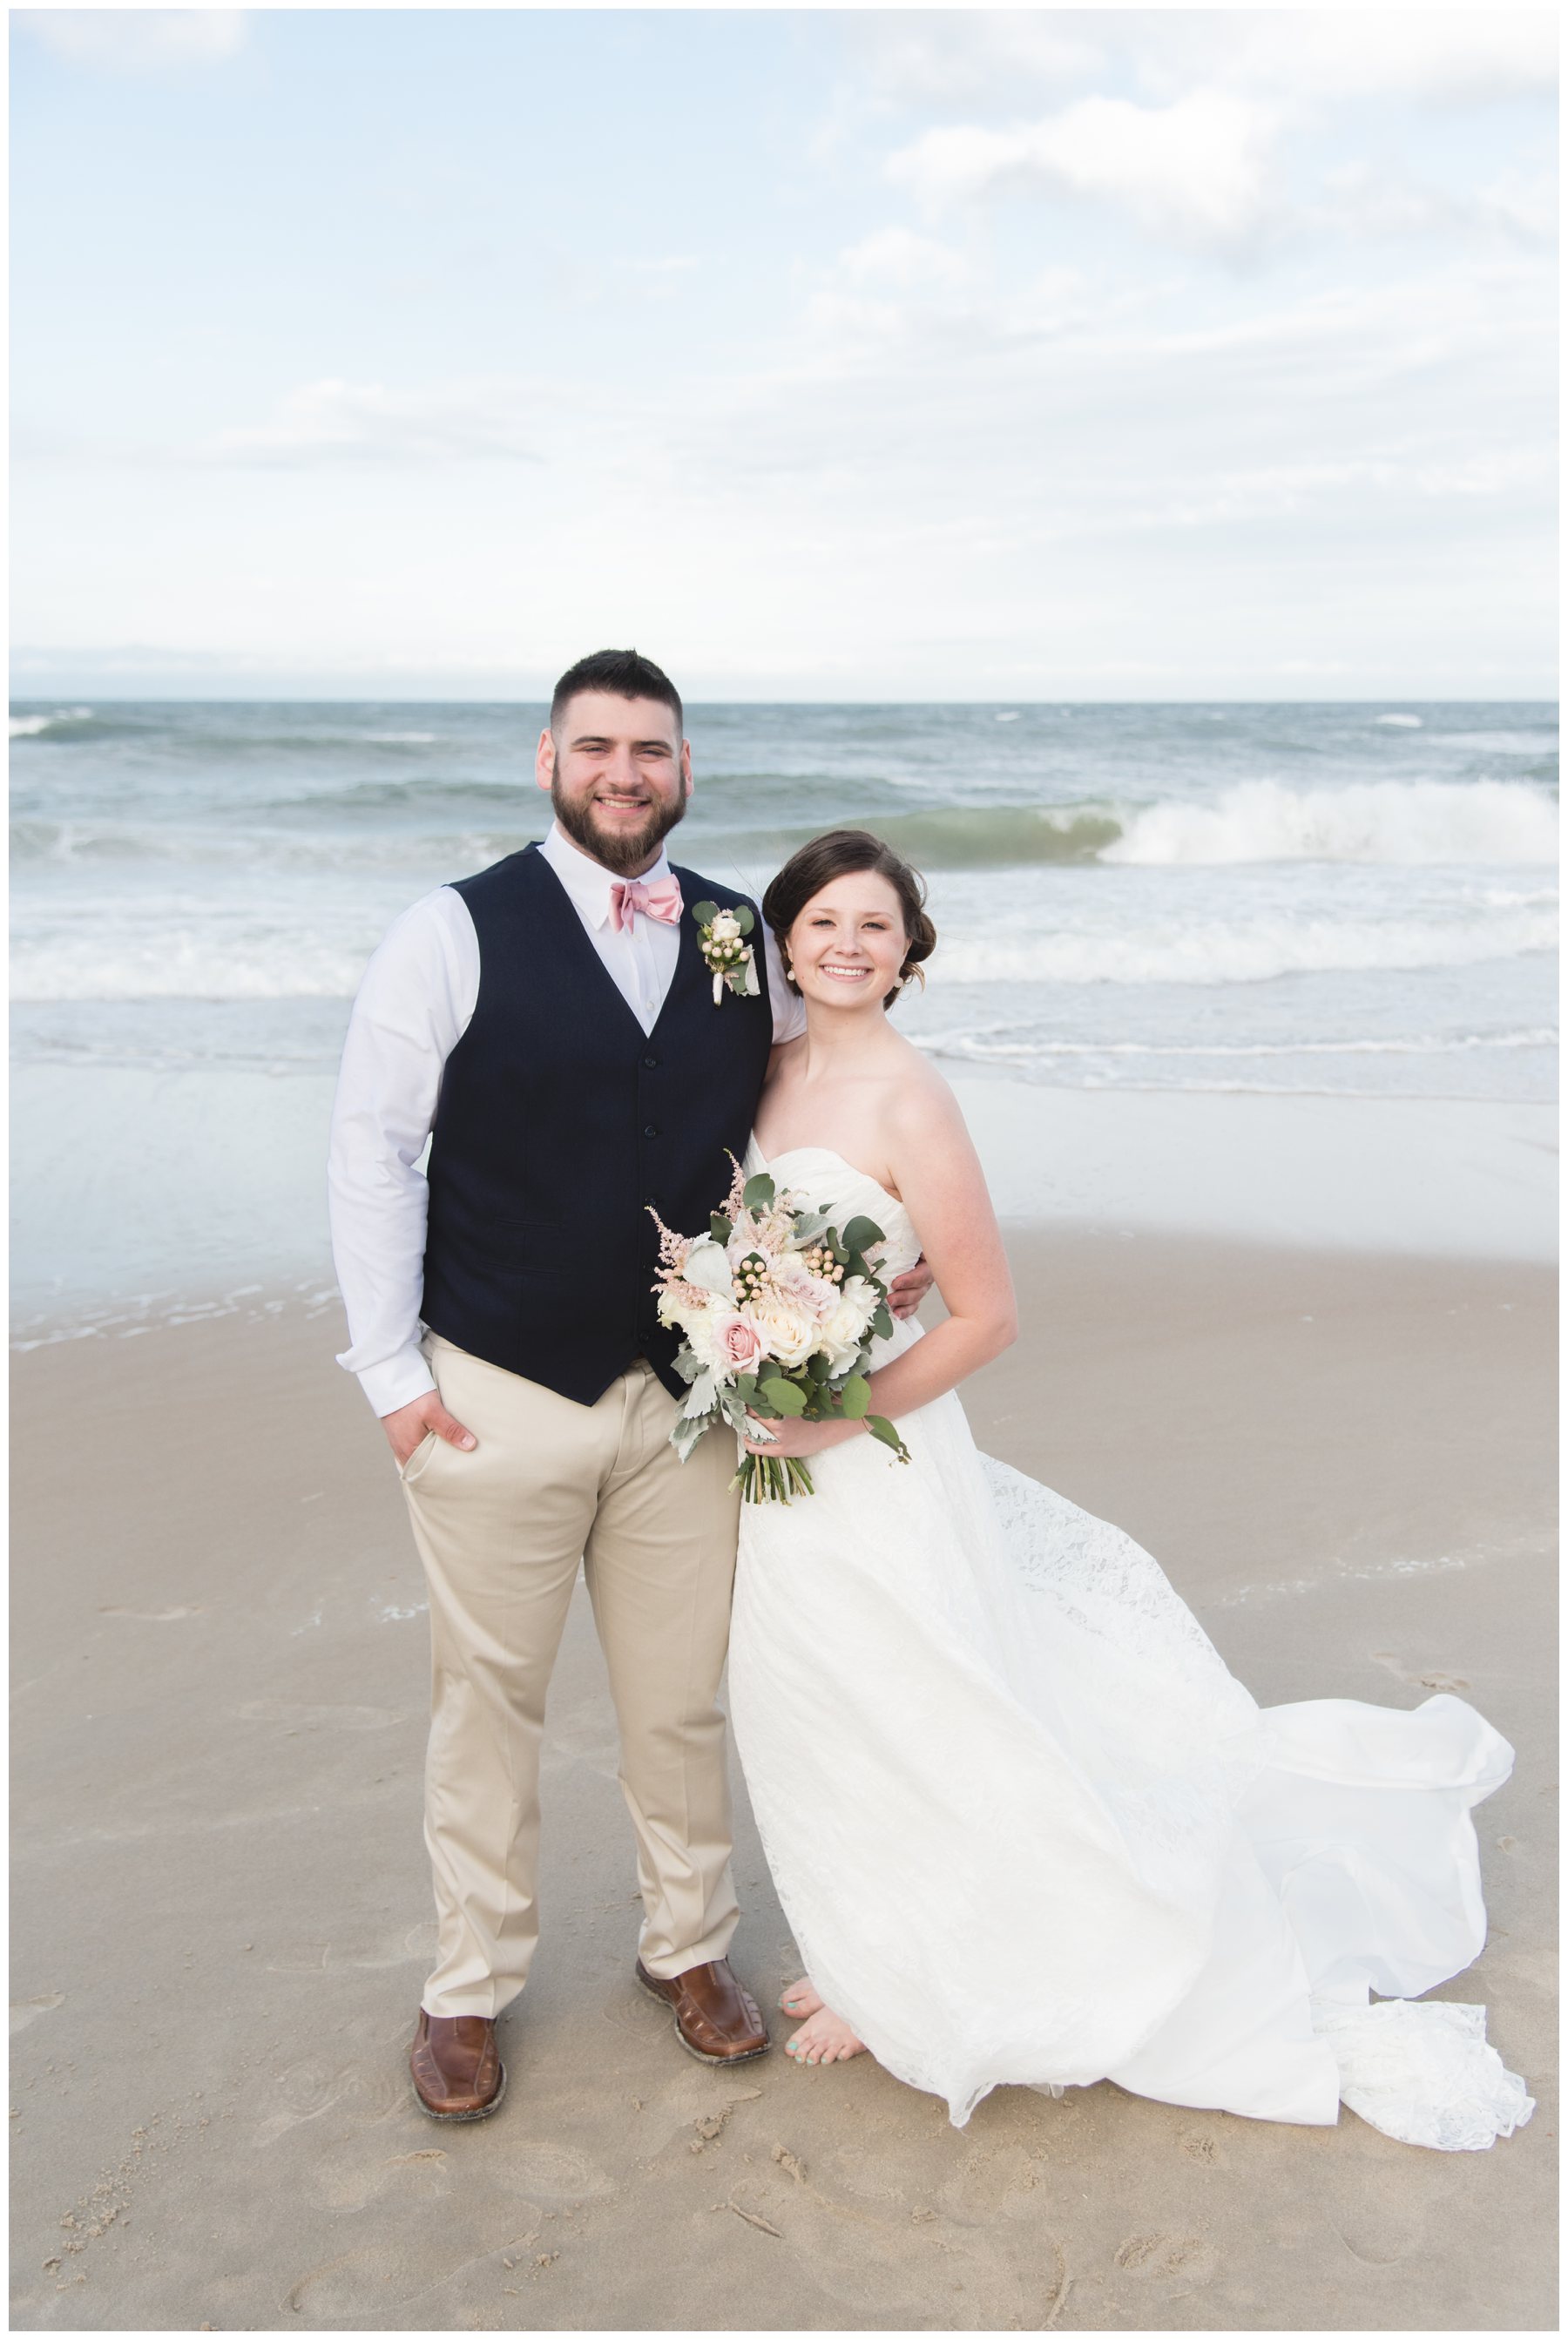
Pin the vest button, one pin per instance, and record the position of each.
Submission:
(652, 1063)
(650, 1131)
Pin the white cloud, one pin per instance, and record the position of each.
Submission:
(335, 422)
(1197, 171)
(981, 59)
(970, 57)
(896, 255)
(1364, 200)
(1451, 55)
(136, 40)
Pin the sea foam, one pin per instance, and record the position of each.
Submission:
(1404, 821)
(1244, 950)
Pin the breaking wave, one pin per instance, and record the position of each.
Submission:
(1406, 821)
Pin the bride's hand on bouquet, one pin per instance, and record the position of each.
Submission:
(794, 1439)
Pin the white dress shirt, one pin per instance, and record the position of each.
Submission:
(413, 1006)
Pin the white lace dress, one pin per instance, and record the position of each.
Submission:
(1027, 1828)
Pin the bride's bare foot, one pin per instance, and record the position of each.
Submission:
(801, 1998)
(827, 2038)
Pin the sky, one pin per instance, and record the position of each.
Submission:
(1114, 354)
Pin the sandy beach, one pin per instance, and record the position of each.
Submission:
(1342, 1458)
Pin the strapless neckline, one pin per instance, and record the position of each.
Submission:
(834, 1184)
(824, 1153)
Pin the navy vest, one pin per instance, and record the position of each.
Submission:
(561, 1119)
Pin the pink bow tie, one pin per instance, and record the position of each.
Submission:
(661, 901)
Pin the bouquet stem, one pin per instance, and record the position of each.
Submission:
(767, 1479)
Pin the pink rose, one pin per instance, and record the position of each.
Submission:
(740, 1344)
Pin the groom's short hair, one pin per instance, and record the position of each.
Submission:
(627, 674)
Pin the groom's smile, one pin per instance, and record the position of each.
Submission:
(619, 774)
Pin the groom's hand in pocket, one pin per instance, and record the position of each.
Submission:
(906, 1291)
(409, 1426)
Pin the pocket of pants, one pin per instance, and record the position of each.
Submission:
(410, 1471)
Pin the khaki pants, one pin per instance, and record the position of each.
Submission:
(500, 1531)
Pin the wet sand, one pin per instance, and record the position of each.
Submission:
(221, 1906)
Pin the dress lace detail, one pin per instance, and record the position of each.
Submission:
(1029, 1829)
(1425, 2073)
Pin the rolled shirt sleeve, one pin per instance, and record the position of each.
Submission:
(413, 1006)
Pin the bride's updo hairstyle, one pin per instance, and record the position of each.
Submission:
(842, 853)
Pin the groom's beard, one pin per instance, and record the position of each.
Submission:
(624, 850)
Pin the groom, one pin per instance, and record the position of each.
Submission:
(549, 1025)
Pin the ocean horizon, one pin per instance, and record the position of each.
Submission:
(1348, 896)
(1352, 901)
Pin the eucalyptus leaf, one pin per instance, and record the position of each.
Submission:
(855, 1398)
(783, 1396)
(880, 1427)
(759, 1192)
(720, 1228)
(861, 1234)
(743, 917)
(705, 912)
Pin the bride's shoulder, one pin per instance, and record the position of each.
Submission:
(921, 1107)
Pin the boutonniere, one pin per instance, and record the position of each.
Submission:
(726, 953)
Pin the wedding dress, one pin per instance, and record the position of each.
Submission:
(1027, 1828)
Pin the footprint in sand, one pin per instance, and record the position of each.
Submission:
(992, 2184)
(863, 2260)
(415, 2175)
(1168, 2257)
(556, 2173)
(24, 2011)
(367, 2092)
(1432, 1679)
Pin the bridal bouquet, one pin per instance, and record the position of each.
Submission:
(779, 1309)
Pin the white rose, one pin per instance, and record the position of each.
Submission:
(702, 1329)
(672, 1311)
(846, 1328)
(725, 927)
(790, 1334)
(812, 1293)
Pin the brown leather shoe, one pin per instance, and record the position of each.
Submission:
(715, 2019)
(458, 2074)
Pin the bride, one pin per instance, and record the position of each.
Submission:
(1025, 1825)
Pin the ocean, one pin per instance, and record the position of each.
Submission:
(1340, 900)
(1282, 898)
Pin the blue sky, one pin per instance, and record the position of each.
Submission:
(1107, 353)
